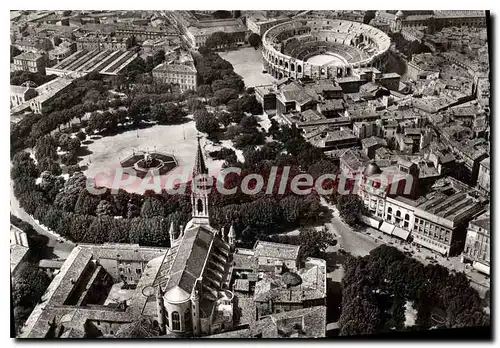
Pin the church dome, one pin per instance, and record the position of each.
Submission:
(372, 169)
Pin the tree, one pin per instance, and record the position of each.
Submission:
(23, 166)
(86, 203)
(169, 113)
(152, 207)
(248, 103)
(222, 96)
(219, 39)
(17, 78)
(28, 286)
(46, 147)
(206, 122)
(248, 139)
(204, 91)
(351, 208)
(77, 225)
(314, 243)
(49, 165)
(51, 184)
(104, 208)
(254, 40)
(67, 198)
(100, 229)
(149, 231)
(81, 135)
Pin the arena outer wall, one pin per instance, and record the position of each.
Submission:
(318, 34)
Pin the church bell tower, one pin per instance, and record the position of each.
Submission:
(199, 190)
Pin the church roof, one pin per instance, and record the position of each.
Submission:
(190, 260)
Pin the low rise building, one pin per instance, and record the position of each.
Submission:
(180, 71)
(30, 61)
(259, 24)
(353, 162)
(484, 175)
(334, 139)
(441, 221)
(199, 32)
(21, 94)
(63, 51)
(19, 249)
(91, 41)
(477, 243)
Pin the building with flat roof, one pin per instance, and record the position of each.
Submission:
(200, 31)
(259, 24)
(441, 220)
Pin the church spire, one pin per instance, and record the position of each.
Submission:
(199, 164)
(199, 193)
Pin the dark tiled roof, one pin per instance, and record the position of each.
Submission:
(189, 262)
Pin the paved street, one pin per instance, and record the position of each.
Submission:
(353, 242)
(360, 243)
(60, 250)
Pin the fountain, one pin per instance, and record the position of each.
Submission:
(155, 163)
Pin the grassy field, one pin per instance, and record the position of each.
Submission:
(247, 63)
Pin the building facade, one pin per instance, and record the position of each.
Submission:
(30, 61)
(21, 94)
(477, 243)
(484, 175)
(178, 72)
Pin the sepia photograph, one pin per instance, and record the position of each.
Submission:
(250, 174)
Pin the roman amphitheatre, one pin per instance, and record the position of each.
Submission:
(322, 48)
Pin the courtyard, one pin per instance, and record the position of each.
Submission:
(247, 62)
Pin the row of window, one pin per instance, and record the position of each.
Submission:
(398, 213)
(137, 270)
(189, 76)
(430, 241)
(191, 83)
(476, 253)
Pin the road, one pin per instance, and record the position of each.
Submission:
(360, 243)
(355, 243)
(60, 249)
